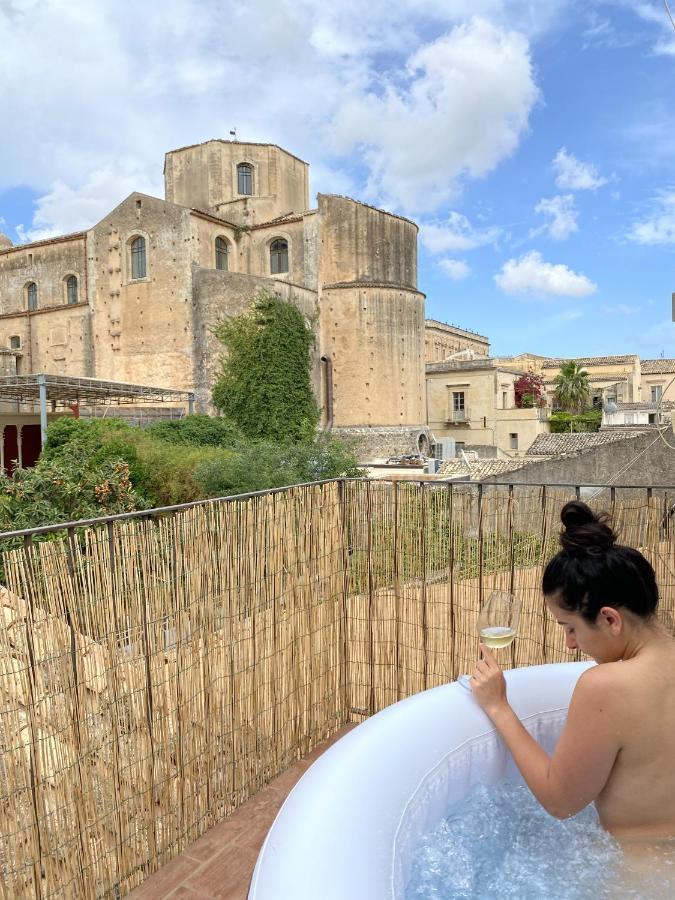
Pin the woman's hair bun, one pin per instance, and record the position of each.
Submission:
(585, 532)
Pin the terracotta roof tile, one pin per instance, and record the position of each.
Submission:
(657, 366)
(591, 361)
(482, 468)
(562, 444)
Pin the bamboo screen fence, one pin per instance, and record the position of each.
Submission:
(156, 671)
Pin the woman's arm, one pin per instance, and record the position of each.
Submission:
(586, 752)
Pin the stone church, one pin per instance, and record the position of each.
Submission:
(134, 299)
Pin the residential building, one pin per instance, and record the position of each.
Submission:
(472, 399)
(442, 340)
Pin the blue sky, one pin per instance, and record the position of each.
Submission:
(532, 140)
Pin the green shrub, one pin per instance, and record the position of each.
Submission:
(58, 491)
(564, 422)
(198, 431)
(265, 465)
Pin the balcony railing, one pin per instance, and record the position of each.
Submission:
(457, 416)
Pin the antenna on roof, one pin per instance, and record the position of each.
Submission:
(234, 133)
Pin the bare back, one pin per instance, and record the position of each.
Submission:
(638, 799)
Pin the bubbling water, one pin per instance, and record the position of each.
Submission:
(500, 844)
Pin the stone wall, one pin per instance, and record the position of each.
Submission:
(221, 294)
(141, 327)
(372, 316)
(372, 444)
(644, 460)
(441, 341)
(48, 264)
(362, 244)
(205, 176)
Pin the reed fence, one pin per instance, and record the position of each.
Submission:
(158, 669)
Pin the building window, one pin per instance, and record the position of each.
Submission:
(71, 289)
(657, 393)
(245, 179)
(138, 263)
(652, 418)
(31, 294)
(458, 406)
(513, 441)
(222, 249)
(15, 342)
(504, 399)
(279, 256)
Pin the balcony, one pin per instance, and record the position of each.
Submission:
(163, 667)
(457, 417)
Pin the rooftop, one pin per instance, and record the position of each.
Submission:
(657, 366)
(591, 361)
(482, 468)
(65, 389)
(562, 444)
(240, 143)
(466, 365)
(445, 326)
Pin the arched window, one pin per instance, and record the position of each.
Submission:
(245, 179)
(31, 293)
(71, 289)
(138, 265)
(222, 249)
(279, 256)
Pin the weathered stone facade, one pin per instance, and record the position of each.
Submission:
(442, 340)
(235, 220)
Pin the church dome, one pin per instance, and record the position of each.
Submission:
(5, 242)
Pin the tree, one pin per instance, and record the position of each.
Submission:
(264, 385)
(572, 391)
(529, 391)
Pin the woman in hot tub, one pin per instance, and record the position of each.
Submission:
(618, 745)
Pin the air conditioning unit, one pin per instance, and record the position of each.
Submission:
(444, 448)
(434, 465)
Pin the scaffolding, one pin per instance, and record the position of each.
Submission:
(66, 391)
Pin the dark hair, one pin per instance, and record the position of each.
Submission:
(592, 570)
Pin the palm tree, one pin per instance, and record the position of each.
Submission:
(572, 388)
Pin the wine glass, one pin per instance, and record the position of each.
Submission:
(497, 624)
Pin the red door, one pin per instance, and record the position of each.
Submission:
(11, 448)
(30, 445)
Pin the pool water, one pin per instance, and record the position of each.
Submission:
(500, 844)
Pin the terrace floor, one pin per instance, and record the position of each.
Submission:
(220, 864)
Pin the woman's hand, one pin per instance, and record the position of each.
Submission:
(488, 684)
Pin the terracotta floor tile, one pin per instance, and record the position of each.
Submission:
(219, 865)
(226, 874)
(186, 893)
(213, 840)
(166, 879)
(288, 779)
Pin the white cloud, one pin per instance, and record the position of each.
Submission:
(462, 108)
(331, 82)
(530, 274)
(456, 234)
(574, 175)
(63, 209)
(659, 226)
(562, 214)
(455, 269)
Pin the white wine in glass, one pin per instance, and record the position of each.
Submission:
(497, 624)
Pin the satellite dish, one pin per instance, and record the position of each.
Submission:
(610, 407)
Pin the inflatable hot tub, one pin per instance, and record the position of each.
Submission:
(348, 829)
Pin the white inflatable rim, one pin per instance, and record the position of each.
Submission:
(348, 828)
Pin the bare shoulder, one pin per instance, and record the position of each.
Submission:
(600, 684)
